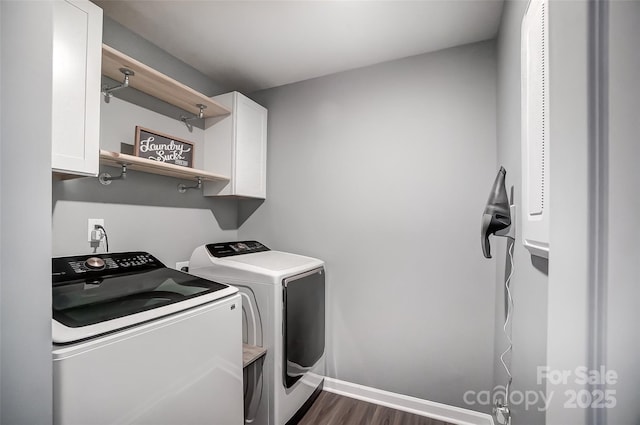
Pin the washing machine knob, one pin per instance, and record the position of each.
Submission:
(94, 263)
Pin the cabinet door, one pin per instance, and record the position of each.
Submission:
(77, 55)
(250, 162)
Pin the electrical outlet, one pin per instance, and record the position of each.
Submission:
(91, 226)
(181, 264)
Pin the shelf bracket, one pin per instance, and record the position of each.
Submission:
(106, 179)
(107, 92)
(183, 188)
(185, 119)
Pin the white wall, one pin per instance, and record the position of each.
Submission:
(569, 266)
(529, 281)
(588, 149)
(25, 197)
(383, 172)
(623, 339)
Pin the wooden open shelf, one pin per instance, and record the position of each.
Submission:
(116, 159)
(156, 84)
(251, 353)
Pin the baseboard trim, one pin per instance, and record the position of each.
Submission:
(443, 412)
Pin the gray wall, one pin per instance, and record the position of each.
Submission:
(383, 172)
(529, 281)
(624, 210)
(130, 43)
(25, 226)
(1, 135)
(145, 212)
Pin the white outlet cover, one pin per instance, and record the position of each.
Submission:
(91, 224)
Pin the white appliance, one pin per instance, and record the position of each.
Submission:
(138, 343)
(284, 311)
(535, 128)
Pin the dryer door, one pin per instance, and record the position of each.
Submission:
(252, 377)
(304, 333)
(251, 320)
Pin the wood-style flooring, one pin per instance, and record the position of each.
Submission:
(333, 409)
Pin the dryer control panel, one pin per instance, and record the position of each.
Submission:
(227, 249)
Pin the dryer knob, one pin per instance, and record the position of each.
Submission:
(94, 263)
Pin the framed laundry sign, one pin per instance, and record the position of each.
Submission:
(161, 147)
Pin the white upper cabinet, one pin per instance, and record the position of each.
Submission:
(77, 54)
(236, 145)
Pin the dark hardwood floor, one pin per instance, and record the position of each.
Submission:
(333, 409)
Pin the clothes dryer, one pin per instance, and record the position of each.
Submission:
(283, 298)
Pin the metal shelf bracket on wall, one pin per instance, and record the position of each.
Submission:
(107, 92)
(106, 179)
(185, 119)
(183, 188)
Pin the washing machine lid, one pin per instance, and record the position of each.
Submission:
(124, 290)
(271, 261)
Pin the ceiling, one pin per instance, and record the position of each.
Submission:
(253, 45)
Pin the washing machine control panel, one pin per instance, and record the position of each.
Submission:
(227, 249)
(84, 266)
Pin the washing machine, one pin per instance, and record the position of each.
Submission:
(135, 342)
(283, 303)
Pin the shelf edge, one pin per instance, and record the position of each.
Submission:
(251, 353)
(154, 167)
